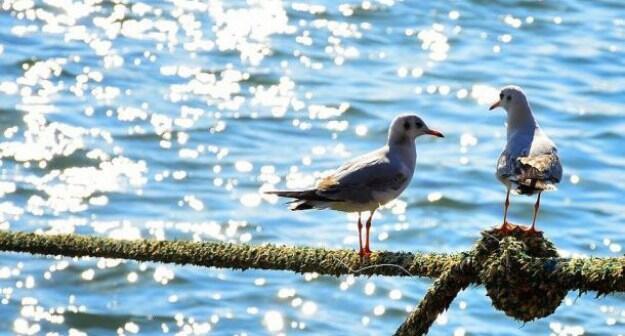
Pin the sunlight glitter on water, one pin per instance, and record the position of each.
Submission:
(273, 321)
(168, 120)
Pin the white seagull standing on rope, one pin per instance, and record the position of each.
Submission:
(368, 181)
(529, 163)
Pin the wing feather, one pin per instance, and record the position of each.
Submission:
(531, 164)
(538, 172)
(359, 179)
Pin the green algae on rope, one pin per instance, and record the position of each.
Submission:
(523, 274)
(438, 298)
(334, 262)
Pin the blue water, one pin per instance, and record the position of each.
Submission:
(164, 120)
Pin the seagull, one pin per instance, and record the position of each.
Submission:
(368, 181)
(529, 163)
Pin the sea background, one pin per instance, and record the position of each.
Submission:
(166, 120)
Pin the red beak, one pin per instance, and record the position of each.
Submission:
(495, 105)
(435, 133)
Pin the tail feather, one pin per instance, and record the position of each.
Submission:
(529, 187)
(300, 205)
(303, 199)
(289, 193)
(306, 195)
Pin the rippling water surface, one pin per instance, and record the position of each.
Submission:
(166, 119)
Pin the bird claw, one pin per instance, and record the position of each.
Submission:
(364, 254)
(532, 231)
(508, 228)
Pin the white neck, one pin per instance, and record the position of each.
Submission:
(397, 138)
(406, 151)
(520, 118)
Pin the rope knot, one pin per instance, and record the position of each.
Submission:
(504, 269)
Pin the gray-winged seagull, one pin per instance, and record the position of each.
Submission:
(529, 163)
(368, 181)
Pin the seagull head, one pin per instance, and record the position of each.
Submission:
(409, 127)
(511, 98)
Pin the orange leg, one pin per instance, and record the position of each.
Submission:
(505, 227)
(367, 251)
(532, 229)
(360, 250)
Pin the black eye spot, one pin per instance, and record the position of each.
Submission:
(418, 124)
(406, 125)
(509, 98)
(501, 95)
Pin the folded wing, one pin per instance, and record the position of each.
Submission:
(359, 180)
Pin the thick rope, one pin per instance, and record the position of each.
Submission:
(438, 299)
(522, 274)
(334, 262)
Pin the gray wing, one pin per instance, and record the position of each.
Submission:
(505, 165)
(359, 179)
(535, 169)
(542, 163)
(545, 167)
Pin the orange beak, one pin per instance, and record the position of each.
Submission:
(495, 105)
(435, 133)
